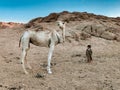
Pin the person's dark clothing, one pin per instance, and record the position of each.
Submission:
(89, 55)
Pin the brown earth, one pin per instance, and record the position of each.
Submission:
(4, 25)
(69, 66)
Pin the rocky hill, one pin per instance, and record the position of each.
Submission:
(4, 25)
(81, 25)
(73, 16)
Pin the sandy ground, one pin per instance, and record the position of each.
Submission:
(70, 70)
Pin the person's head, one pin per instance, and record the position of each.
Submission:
(89, 46)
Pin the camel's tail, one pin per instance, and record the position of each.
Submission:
(20, 41)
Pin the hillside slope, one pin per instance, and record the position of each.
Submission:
(81, 25)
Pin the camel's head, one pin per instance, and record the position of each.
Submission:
(62, 27)
(61, 24)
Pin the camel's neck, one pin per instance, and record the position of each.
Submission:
(63, 34)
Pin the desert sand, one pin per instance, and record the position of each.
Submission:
(69, 66)
(70, 70)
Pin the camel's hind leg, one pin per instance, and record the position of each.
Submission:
(23, 59)
(25, 47)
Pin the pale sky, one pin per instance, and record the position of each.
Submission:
(25, 10)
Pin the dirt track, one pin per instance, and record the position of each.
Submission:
(70, 70)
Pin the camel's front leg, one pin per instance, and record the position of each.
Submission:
(49, 58)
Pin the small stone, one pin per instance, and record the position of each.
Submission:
(11, 53)
(49, 88)
(1, 85)
(53, 64)
(17, 58)
(39, 75)
(6, 87)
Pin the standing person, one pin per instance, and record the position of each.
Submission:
(89, 53)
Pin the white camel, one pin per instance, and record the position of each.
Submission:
(43, 39)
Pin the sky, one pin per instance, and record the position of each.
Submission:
(25, 10)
